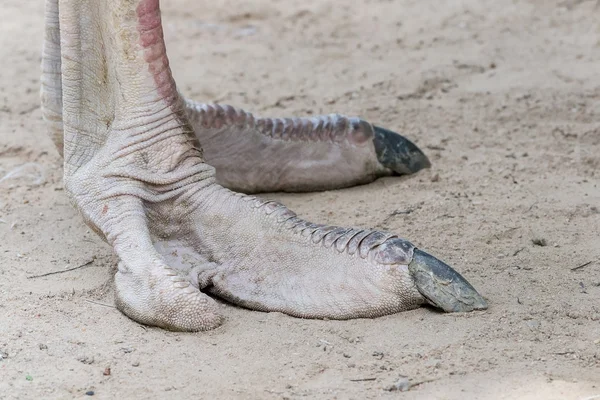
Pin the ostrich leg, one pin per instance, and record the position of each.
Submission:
(263, 154)
(134, 171)
(51, 90)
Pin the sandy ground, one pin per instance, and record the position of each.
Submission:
(504, 96)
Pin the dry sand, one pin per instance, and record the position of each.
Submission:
(504, 96)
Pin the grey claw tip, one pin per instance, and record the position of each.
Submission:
(442, 286)
(397, 153)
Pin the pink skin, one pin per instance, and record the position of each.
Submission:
(155, 54)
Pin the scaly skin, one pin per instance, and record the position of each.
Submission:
(135, 171)
(255, 155)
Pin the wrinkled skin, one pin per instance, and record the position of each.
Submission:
(140, 162)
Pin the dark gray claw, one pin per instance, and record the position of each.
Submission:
(442, 286)
(398, 153)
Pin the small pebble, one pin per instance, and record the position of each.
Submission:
(402, 385)
(42, 346)
(135, 364)
(106, 371)
(533, 324)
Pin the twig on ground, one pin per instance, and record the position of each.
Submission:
(63, 271)
(531, 206)
(518, 251)
(98, 303)
(581, 266)
(362, 379)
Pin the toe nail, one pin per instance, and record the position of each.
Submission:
(397, 153)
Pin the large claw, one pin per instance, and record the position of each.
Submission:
(442, 286)
(397, 153)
